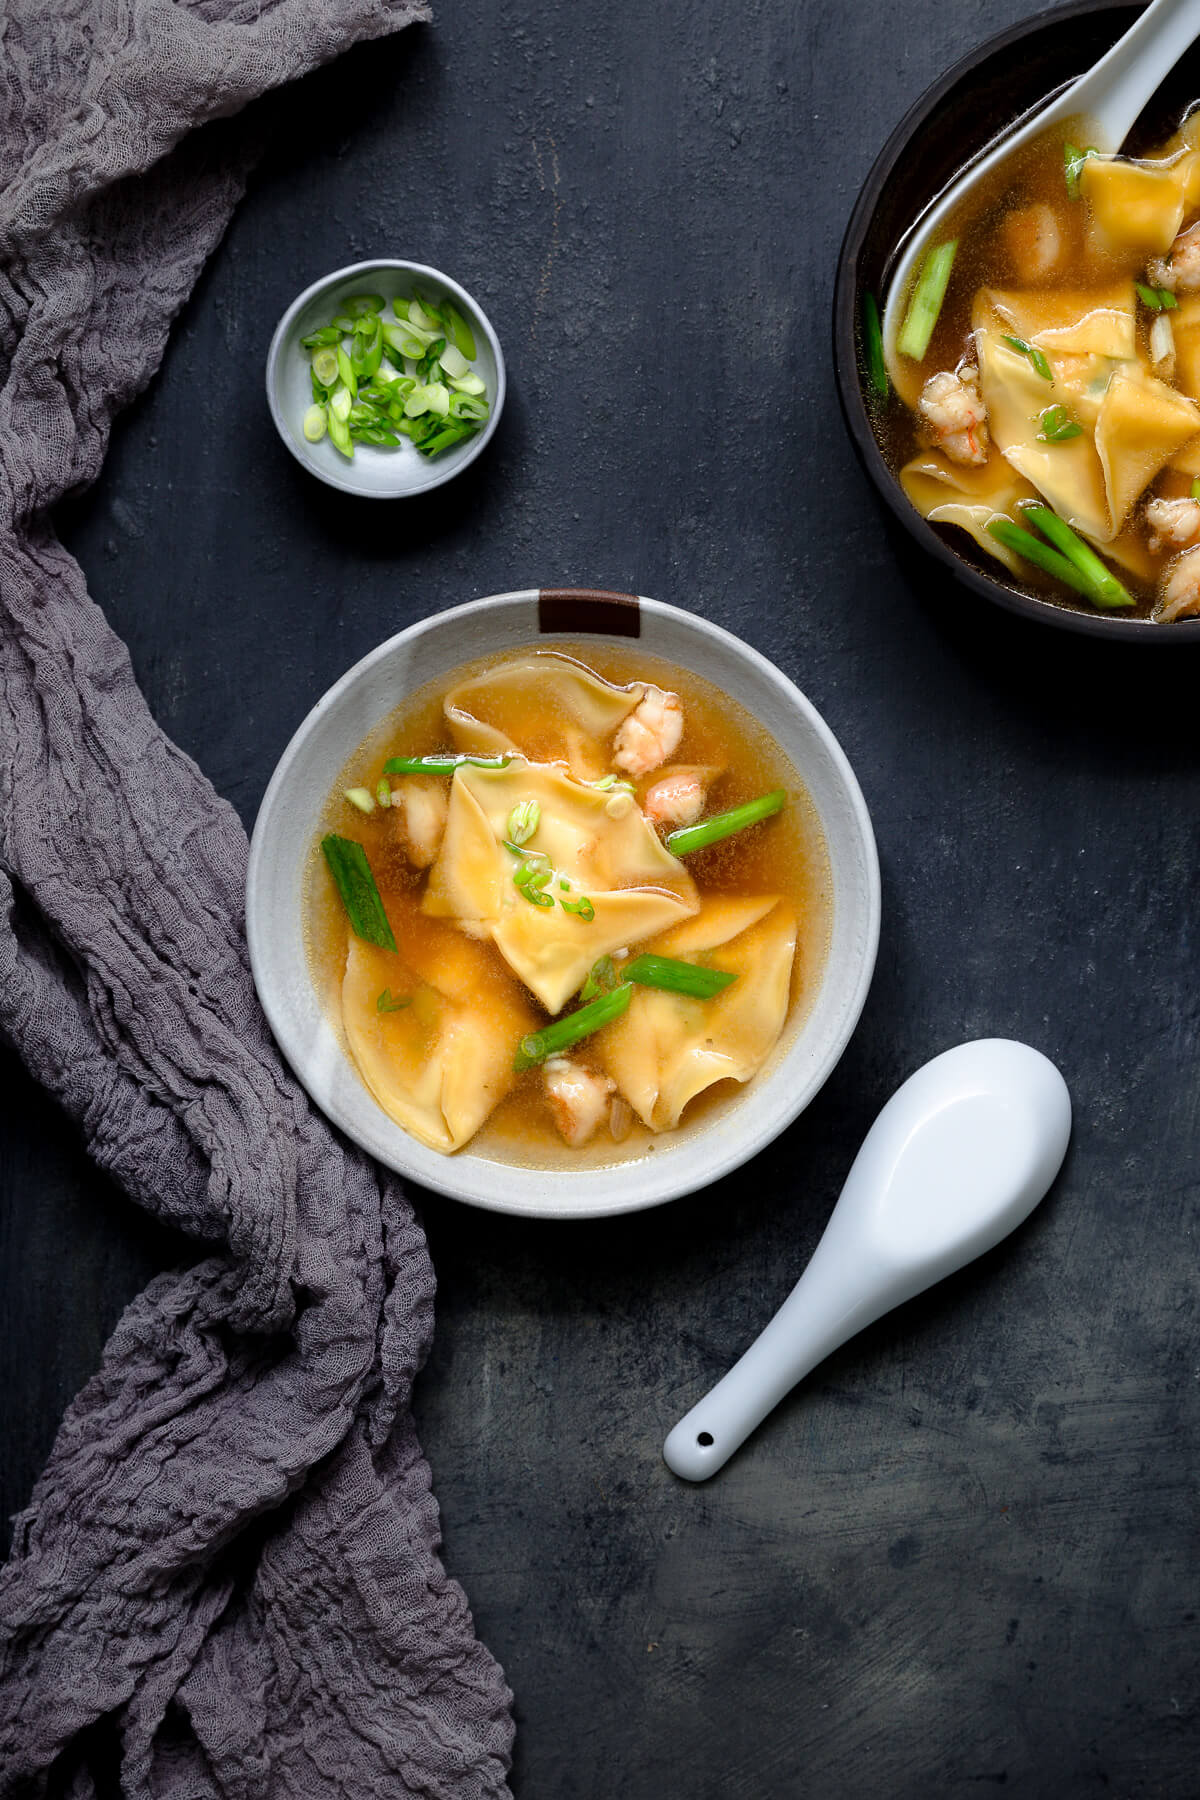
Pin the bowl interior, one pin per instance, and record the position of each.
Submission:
(974, 102)
(375, 473)
(281, 858)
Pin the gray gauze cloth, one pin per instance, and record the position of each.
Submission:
(230, 1559)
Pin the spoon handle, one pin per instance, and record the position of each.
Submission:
(1114, 92)
(824, 1308)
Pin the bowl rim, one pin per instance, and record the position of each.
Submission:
(649, 1181)
(846, 305)
(473, 447)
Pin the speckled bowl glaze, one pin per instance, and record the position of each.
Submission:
(383, 473)
(972, 104)
(281, 860)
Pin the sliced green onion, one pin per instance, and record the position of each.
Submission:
(926, 302)
(440, 765)
(346, 371)
(581, 908)
(362, 798)
(1023, 543)
(723, 825)
(316, 424)
(678, 977)
(1157, 299)
(353, 359)
(355, 883)
(523, 821)
(387, 1002)
(418, 316)
(367, 353)
(1104, 589)
(873, 340)
(1195, 489)
(460, 331)
(1035, 356)
(339, 434)
(445, 439)
(383, 791)
(454, 362)
(1058, 425)
(531, 880)
(563, 1032)
(602, 979)
(1073, 161)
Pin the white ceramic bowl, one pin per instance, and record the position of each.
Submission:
(281, 858)
(383, 473)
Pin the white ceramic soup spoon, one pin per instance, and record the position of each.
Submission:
(959, 1156)
(1110, 97)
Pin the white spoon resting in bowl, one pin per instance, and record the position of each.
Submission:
(1110, 97)
(959, 1156)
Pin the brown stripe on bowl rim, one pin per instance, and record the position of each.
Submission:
(593, 610)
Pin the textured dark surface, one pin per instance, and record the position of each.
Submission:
(963, 1556)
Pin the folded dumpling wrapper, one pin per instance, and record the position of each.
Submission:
(576, 714)
(1131, 205)
(949, 493)
(667, 1048)
(440, 1064)
(636, 887)
(1133, 424)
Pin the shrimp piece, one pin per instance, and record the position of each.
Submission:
(650, 734)
(1180, 271)
(1033, 241)
(578, 1099)
(956, 416)
(1179, 597)
(678, 799)
(1173, 523)
(420, 806)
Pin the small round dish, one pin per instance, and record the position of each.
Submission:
(281, 861)
(384, 473)
(968, 108)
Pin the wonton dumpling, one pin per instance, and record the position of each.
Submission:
(1185, 331)
(949, 493)
(1068, 322)
(1135, 207)
(440, 1065)
(1069, 475)
(636, 886)
(1131, 430)
(576, 715)
(1142, 423)
(667, 1048)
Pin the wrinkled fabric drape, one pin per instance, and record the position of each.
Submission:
(230, 1558)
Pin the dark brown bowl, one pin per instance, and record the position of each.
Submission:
(972, 104)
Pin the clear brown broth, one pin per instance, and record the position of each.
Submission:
(785, 856)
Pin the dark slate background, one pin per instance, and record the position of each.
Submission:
(961, 1558)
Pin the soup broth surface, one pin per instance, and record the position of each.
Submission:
(785, 856)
